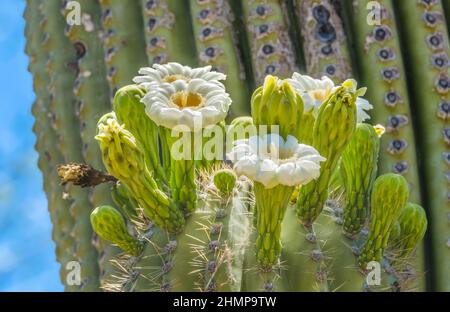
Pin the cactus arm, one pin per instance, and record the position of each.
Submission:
(93, 100)
(215, 43)
(123, 41)
(60, 66)
(358, 169)
(425, 45)
(324, 41)
(131, 112)
(168, 33)
(330, 144)
(270, 45)
(302, 257)
(49, 155)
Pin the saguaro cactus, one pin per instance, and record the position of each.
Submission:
(165, 220)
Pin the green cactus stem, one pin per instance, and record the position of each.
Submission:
(167, 32)
(302, 258)
(123, 41)
(216, 46)
(49, 155)
(110, 225)
(123, 158)
(324, 41)
(425, 40)
(270, 45)
(340, 110)
(388, 199)
(131, 113)
(277, 104)
(62, 56)
(358, 168)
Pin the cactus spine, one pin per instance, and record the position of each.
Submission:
(426, 42)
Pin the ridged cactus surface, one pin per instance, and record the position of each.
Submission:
(337, 189)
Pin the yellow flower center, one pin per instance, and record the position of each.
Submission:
(183, 99)
(172, 78)
(319, 94)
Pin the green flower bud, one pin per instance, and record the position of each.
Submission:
(358, 171)
(389, 195)
(110, 225)
(277, 103)
(412, 227)
(333, 129)
(124, 159)
(130, 112)
(225, 180)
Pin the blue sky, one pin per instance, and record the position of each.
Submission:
(27, 260)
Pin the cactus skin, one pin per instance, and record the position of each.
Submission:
(340, 110)
(109, 224)
(49, 155)
(425, 46)
(215, 43)
(131, 113)
(167, 32)
(358, 169)
(302, 256)
(389, 196)
(270, 45)
(123, 41)
(324, 42)
(63, 105)
(123, 158)
(91, 91)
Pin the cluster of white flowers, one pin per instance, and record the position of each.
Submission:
(182, 96)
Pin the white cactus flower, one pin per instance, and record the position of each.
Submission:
(315, 91)
(271, 161)
(187, 103)
(170, 72)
